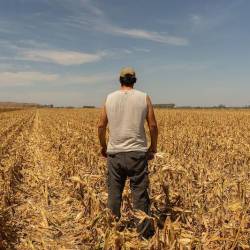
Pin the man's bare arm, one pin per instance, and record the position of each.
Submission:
(152, 125)
(102, 127)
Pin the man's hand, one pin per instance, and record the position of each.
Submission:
(104, 152)
(150, 154)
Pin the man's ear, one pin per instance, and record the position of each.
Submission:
(121, 79)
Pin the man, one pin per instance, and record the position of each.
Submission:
(125, 112)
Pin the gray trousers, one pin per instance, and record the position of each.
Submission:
(133, 165)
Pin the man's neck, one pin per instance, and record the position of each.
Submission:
(126, 88)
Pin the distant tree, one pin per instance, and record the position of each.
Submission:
(48, 106)
(221, 106)
(88, 107)
(164, 105)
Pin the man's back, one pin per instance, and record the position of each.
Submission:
(126, 112)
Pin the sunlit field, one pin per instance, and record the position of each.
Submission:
(53, 187)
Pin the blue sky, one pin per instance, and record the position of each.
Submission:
(69, 52)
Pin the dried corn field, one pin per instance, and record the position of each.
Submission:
(53, 190)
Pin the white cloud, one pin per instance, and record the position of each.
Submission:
(196, 19)
(30, 43)
(96, 19)
(31, 50)
(23, 78)
(5, 66)
(142, 50)
(8, 45)
(5, 27)
(61, 57)
(8, 78)
(144, 34)
(88, 5)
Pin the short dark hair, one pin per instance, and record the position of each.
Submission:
(128, 80)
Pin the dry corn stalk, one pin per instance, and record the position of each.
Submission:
(53, 189)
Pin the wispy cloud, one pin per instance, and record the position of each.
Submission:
(196, 19)
(34, 51)
(142, 34)
(221, 14)
(61, 57)
(97, 20)
(31, 43)
(25, 78)
(88, 5)
(5, 27)
(31, 50)
(142, 50)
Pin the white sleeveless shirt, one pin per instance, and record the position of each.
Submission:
(126, 111)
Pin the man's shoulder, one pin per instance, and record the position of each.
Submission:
(113, 93)
(118, 92)
(140, 92)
